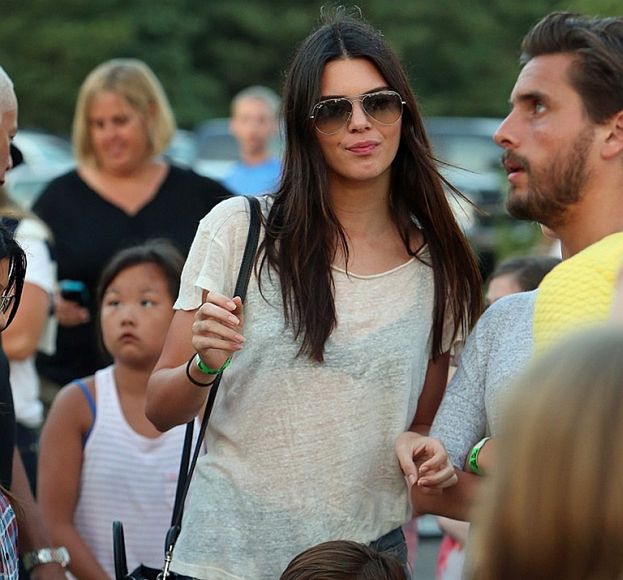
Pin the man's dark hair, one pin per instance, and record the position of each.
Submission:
(597, 44)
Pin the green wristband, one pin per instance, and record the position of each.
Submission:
(473, 456)
(204, 368)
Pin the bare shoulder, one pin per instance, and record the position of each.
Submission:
(71, 406)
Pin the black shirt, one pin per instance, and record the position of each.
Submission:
(88, 230)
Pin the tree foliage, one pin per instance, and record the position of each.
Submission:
(461, 55)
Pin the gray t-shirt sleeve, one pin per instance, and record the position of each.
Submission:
(498, 349)
(461, 418)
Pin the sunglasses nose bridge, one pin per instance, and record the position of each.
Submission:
(358, 112)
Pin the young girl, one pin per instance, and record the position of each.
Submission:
(362, 281)
(101, 459)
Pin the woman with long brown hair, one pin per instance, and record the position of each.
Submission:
(362, 281)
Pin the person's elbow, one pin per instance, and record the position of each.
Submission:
(20, 347)
(158, 407)
(154, 412)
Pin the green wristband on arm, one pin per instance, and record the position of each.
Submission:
(205, 369)
(473, 456)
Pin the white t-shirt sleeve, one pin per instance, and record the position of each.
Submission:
(40, 269)
(217, 247)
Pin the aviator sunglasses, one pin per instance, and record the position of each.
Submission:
(330, 115)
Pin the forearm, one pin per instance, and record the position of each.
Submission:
(172, 399)
(33, 533)
(454, 502)
(420, 428)
(82, 563)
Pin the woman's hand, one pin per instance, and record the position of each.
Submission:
(424, 462)
(216, 329)
(69, 313)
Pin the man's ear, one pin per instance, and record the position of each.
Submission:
(613, 145)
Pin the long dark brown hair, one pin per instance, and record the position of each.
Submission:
(302, 230)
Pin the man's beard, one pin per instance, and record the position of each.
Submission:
(555, 187)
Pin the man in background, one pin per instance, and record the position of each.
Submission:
(254, 122)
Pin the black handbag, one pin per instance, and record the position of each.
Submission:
(187, 466)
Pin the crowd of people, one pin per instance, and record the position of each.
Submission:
(335, 421)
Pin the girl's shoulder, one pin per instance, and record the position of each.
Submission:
(74, 404)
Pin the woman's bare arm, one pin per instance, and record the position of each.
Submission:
(212, 331)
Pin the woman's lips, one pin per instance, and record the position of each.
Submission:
(363, 147)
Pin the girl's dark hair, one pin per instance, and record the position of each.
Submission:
(302, 230)
(11, 250)
(528, 270)
(160, 252)
(343, 560)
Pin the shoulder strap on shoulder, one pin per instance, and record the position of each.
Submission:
(91, 402)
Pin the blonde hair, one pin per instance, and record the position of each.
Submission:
(136, 83)
(554, 506)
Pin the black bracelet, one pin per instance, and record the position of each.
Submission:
(191, 379)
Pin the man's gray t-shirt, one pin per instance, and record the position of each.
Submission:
(497, 350)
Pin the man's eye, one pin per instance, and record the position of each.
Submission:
(539, 107)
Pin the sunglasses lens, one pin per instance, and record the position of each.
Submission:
(384, 107)
(331, 115)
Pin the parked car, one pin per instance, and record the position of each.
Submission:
(473, 158)
(183, 149)
(45, 157)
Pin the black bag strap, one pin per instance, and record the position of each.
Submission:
(186, 470)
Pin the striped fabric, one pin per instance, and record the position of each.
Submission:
(127, 477)
(8, 540)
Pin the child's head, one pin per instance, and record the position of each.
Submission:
(554, 507)
(343, 560)
(135, 296)
(518, 274)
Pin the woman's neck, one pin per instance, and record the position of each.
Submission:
(362, 207)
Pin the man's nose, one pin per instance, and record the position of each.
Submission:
(506, 135)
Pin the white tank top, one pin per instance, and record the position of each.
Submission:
(127, 477)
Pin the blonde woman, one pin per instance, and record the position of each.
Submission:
(553, 507)
(122, 193)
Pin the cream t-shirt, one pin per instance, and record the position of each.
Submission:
(301, 452)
